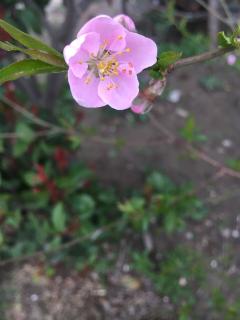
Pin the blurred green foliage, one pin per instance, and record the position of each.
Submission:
(162, 203)
(190, 132)
(176, 276)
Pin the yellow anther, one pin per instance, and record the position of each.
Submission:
(120, 37)
(128, 50)
(108, 67)
(80, 62)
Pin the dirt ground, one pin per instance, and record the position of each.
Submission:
(125, 295)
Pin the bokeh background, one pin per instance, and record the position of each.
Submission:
(112, 215)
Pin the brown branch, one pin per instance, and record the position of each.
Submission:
(222, 169)
(17, 107)
(213, 12)
(206, 56)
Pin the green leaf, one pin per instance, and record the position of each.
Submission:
(224, 41)
(59, 217)
(167, 58)
(160, 182)
(190, 131)
(234, 164)
(35, 54)
(1, 146)
(20, 147)
(31, 178)
(26, 135)
(170, 222)
(26, 39)
(1, 238)
(26, 68)
(25, 131)
(84, 205)
(8, 46)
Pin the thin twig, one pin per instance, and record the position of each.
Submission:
(206, 56)
(222, 169)
(213, 24)
(14, 135)
(213, 12)
(17, 107)
(90, 236)
(228, 13)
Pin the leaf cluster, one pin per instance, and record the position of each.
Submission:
(43, 58)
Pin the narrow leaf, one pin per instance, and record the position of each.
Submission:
(26, 39)
(8, 46)
(35, 54)
(26, 68)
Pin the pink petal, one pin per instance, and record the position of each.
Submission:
(109, 30)
(125, 21)
(84, 94)
(71, 49)
(76, 64)
(143, 51)
(87, 43)
(121, 97)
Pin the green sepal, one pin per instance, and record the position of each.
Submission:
(164, 61)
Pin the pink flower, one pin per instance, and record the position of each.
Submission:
(231, 59)
(104, 62)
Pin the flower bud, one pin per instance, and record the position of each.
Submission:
(126, 21)
(231, 59)
(142, 107)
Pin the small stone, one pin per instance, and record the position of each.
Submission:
(130, 282)
(214, 264)
(208, 223)
(166, 299)
(175, 96)
(213, 194)
(226, 233)
(100, 292)
(182, 112)
(126, 268)
(232, 270)
(182, 282)
(220, 150)
(20, 6)
(34, 297)
(189, 235)
(227, 143)
(235, 234)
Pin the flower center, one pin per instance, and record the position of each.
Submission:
(108, 67)
(105, 63)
